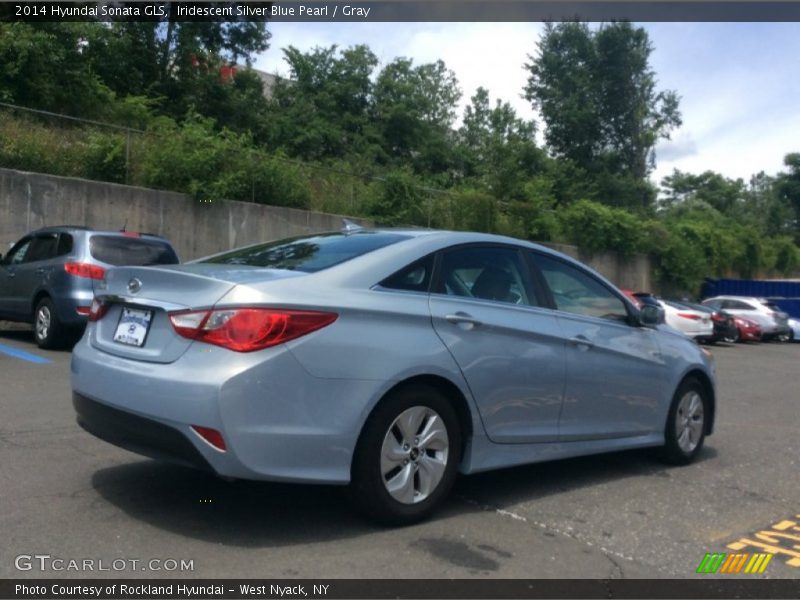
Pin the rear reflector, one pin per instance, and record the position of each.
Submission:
(690, 316)
(85, 270)
(212, 436)
(248, 329)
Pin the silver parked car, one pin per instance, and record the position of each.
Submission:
(773, 321)
(48, 277)
(387, 360)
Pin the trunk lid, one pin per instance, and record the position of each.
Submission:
(137, 324)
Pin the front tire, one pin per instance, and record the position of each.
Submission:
(733, 337)
(47, 328)
(407, 457)
(685, 430)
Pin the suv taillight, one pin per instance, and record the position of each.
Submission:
(248, 329)
(98, 310)
(85, 270)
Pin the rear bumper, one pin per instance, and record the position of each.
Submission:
(67, 307)
(279, 422)
(137, 434)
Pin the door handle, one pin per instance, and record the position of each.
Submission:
(461, 318)
(40, 270)
(582, 342)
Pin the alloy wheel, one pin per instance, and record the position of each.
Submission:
(43, 320)
(414, 454)
(689, 421)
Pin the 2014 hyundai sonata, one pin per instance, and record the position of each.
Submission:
(384, 359)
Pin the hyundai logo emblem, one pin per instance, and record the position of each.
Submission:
(134, 285)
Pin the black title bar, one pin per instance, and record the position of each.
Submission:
(334, 589)
(405, 11)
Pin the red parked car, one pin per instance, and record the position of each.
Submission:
(749, 331)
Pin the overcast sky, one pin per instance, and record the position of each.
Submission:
(739, 83)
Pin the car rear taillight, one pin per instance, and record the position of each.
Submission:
(717, 317)
(97, 310)
(248, 329)
(85, 270)
(691, 316)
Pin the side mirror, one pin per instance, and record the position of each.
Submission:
(651, 315)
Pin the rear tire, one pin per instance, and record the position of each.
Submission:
(48, 330)
(406, 460)
(685, 430)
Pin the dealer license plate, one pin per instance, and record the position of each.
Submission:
(133, 326)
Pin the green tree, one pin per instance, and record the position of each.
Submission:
(787, 187)
(725, 195)
(595, 227)
(498, 149)
(413, 110)
(597, 95)
(322, 111)
(45, 66)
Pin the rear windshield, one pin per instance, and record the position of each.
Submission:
(309, 254)
(121, 250)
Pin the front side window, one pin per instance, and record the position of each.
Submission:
(43, 247)
(575, 291)
(17, 254)
(492, 273)
(309, 253)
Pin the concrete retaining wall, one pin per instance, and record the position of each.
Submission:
(32, 200)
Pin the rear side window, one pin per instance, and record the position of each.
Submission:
(131, 251)
(494, 273)
(736, 305)
(64, 244)
(311, 253)
(414, 278)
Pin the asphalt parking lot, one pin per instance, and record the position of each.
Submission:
(68, 495)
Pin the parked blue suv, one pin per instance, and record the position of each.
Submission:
(49, 276)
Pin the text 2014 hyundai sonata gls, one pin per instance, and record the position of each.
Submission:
(384, 359)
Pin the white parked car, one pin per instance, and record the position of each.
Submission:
(774, 322)
(794, 333)
(692, 323)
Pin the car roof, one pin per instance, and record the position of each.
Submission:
(84, 229)
(729, 297)
(443, 237)
(419, 243)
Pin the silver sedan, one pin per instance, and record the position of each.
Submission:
(386, 360)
